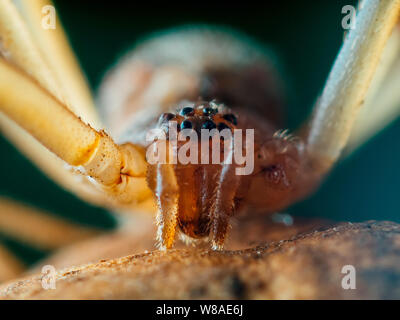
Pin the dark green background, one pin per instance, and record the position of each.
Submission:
(306, 36)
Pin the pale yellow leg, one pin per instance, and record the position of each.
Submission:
(47, 116)
(45, 54)
(10, 266)
(382, 104)
(347, 85)
(57, 52)
(119, 169)
(37, 228)
(18, 46)
(51, 165)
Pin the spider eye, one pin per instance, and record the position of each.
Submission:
(186, 111)
(222, 126)
(209, 125)
(208, 111)
(186, 124)
(231, 118)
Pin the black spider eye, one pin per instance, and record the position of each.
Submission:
(207, 111)
(209, 125)
(222, 126)
(186, 111)
(186, 124)
(231, 118)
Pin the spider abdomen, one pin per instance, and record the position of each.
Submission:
(189, 64)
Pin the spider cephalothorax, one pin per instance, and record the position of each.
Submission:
(192, 195)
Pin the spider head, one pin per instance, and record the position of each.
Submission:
(197, 133)
(199, 162)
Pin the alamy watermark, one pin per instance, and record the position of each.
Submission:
(49, 277)
(49, 21)
(349, 280)
(349, 20)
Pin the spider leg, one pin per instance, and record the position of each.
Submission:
(120, 170)
(39, 228)
(10, 267)
(347, 85)
(54, 167)
(46, 55)
(382, 104)
(18, 45)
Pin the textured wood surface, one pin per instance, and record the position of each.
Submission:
(307, 265)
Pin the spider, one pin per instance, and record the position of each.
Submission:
(209, 78)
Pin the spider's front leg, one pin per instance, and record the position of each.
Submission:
(120, 170)
(289, 169)
(286, 169)
(349, 81)
(45, 106)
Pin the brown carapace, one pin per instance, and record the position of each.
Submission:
(208, 79)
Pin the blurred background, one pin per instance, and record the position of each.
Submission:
(304, 35)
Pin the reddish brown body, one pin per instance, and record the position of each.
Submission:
(174, 71)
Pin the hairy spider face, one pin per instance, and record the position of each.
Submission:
(200, 138)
